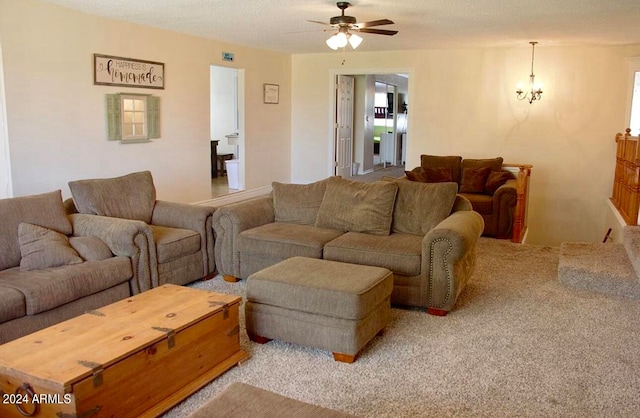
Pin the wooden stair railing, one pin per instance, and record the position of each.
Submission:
(626, 184)
(520, 224)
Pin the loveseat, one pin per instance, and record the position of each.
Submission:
(497, 191)
(425, 234)
(49, 272)
(179, 235)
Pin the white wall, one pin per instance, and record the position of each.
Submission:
(462, 102)
(5, 163)
(56, 116)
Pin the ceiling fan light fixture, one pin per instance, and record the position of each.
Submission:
(345, 24)
(354, 40)
(338, 40)
(331, 42)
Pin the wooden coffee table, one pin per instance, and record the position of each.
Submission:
(136, 357)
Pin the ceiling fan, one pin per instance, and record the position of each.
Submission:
(345, 25)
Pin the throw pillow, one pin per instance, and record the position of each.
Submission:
(438, 174)
(416, 174)
(474, 179)
(42, 248)
(453, 162)
(43, 209)
(298, 203)
(421, 206)
(90, 248)
(358, 207)
(495, 180)
(132, 196)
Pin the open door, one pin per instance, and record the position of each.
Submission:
(344, 125)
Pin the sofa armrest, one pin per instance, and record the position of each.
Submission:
(504, 203)
(448, 259)
(194, 217)
(127, 238)
(461, 203)
(229, 221)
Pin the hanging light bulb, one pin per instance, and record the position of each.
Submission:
(354, 40)
(332, 42)
(535, 88)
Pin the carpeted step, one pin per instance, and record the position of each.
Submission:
(631, 241)
(603, 268)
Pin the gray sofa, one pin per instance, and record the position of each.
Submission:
(424, 233)
(179, 235)
(51, 271)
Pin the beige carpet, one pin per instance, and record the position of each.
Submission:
(519, 343)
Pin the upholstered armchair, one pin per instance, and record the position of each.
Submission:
(179, 236)
(497, 191)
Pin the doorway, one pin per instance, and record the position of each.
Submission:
(226, 130)
(380, 124)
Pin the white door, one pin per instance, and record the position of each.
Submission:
(344, 125)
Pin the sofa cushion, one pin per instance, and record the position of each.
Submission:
(474, 179)
(174, 243)
(42, 248)
(481, 203)
(430, 175)
(132, 196)
(452, 162)
(495, 180)
(284, 240)
(47, 289)
(494, 163)
(90, 248)
(400, 253)
(45, 210)
(13, 305)
(358, 207)
(298, 203)
(421, 206)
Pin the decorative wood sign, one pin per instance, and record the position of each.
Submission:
(128, 72)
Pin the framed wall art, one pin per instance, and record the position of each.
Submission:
(271, 93)
(128, 72)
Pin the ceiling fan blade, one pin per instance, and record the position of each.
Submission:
(317, 21)
(374, 23)
(379, 31)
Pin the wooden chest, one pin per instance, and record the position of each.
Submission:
(137, 357)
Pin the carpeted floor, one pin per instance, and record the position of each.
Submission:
(519, 343)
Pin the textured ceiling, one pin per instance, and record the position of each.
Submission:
(422, 24)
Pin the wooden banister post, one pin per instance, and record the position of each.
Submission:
(522, 199)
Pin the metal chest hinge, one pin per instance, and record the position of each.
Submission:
(86, 414)
(171, 334)
(96, 370)
(225, 308)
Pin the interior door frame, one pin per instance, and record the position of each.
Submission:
(332, 115)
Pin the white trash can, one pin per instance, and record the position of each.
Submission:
(355, 168)
(232, 173)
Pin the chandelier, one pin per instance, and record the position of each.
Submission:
(342, 37)
(535, 89)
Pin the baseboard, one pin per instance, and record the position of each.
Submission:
(235, 197)
(615, 222)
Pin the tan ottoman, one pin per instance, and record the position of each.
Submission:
(330, 305)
